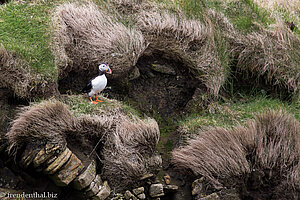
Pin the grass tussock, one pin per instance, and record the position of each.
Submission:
(285, 10)
(45, 122)
(88, 36)
(128, 152)
(272, 55)
(239, 34)
(16, 75)
(127, 143)
(185, 40)
(129, 7)
(268, 145)
(208, 44)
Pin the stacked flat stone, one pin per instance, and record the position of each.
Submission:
(136, 194)
(65, 168)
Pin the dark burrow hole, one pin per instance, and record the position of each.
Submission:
(4, 1)
(8, 106)
(162, 87)
(249, 83)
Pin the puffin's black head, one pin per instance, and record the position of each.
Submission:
(104, 68)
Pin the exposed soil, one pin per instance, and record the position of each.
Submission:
(8, 105)
(3, 1)
(165, 93)
(250, 83)
(73, 83)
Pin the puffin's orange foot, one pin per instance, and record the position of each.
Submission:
(93, 102)
(98, 99)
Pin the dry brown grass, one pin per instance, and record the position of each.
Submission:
(127, 143)
(216, 154)
(14, 74)
(18, 78)
(185, 40)
(128, 151)
(272, 54)
(45, 122)
(268, 54)
(88, 36)
(270, 145)
(130, 7)
(281, 8)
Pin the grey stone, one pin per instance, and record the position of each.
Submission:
(85, 178)
(44, 154)
(28, 156)
(170, 188)
(229, 194)
(138, 191)
(167, 179)
(146, 176)
(164, 69)
(197, 186)
(94, 187)
(134, 74)
(155, 161)
(68, 172)
(129, 196)
(58, 162)
(142, 196)
(156, 190)
(212, 196)
(103, 193)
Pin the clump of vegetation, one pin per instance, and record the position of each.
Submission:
(128, 143)
(287, 11)
(264, 152)
(27, 64)
(87, 36)
(25, 31)
(229, 113)
(257, 45)
(46, 121)
(184, 40)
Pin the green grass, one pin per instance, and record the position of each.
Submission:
(243, 14)
(24, 30)
(80, 104)
(233, 112)
(246, 13)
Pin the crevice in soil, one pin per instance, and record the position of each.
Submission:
(74, 82)
(160, 88)
(8, 105)
(4, 1)
(247, 82)
(164, 85)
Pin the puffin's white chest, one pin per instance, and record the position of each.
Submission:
(99, 83)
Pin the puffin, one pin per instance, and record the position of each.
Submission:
(97, 84)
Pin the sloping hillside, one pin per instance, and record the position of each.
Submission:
(187, 77)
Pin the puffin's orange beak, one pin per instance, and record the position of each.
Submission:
(109, 71)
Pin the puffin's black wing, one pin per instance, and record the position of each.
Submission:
(87, 88)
